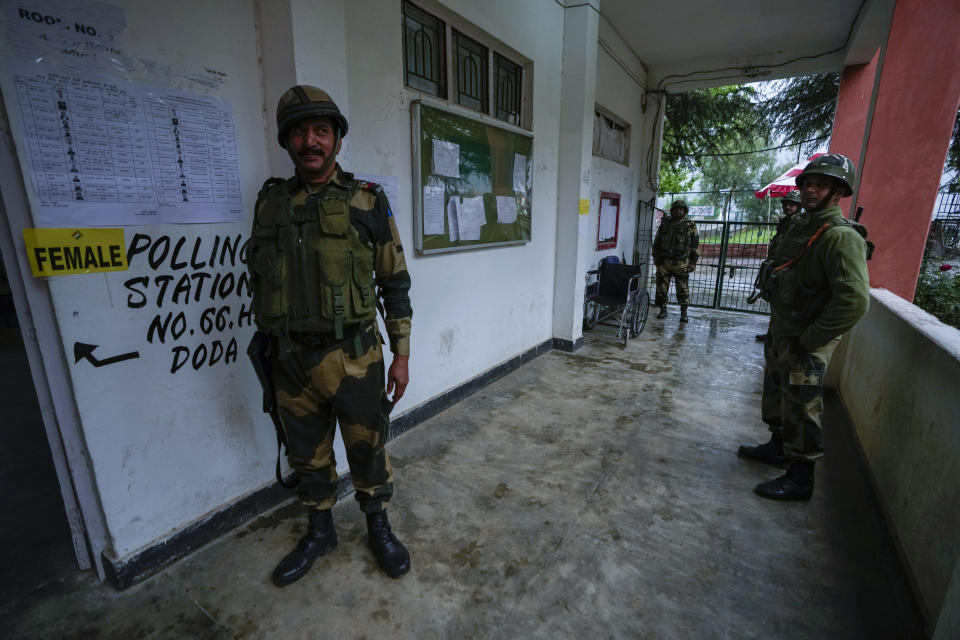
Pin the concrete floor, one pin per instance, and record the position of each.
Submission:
(588, 495)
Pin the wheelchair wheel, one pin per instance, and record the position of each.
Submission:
(591, 313)
(639, 319)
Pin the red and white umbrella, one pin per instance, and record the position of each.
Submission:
(785, 183)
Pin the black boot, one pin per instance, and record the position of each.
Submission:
(770, 452)
(321, 538)
(683, 314)
(390, 553)
(795, 484)
(662, 313)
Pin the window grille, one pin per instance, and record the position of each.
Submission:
(424, 55)
(471, 61)
(507, 78)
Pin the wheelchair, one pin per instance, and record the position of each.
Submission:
(614, 290)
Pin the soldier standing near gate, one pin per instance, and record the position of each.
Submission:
(817, 285)
(675, 254)
(791, 207)
(323, 253)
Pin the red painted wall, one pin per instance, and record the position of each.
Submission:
(916, 106)
(853, 106)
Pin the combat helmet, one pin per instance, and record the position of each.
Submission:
(793, 196)
(833, 165)
(679, 203)
(306, 101)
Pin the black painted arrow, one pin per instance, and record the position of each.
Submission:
(81, 351)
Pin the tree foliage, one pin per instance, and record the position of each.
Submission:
(801, 109)
(709, 121)
(740, 175)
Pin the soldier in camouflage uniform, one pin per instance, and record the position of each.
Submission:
(676, 249)
(817, 285)
(791, 207)
(323, 252)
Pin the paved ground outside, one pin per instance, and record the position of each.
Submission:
(588, 495)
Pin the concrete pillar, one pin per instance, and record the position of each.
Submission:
(580, 31)
(301, 42)
(908, 123)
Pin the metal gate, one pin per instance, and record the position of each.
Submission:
(730, 255)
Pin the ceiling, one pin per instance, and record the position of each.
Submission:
(691, 44)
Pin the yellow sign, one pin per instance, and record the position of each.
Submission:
(57, 252)
(584, 206)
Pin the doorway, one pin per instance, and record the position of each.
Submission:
(35, 542)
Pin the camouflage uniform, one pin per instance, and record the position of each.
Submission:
(802, 340)
(675, 250)
(321, 379)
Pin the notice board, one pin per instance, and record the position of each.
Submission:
(472, 180)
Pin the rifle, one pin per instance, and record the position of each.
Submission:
(259, 352)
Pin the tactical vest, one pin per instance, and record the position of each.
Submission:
(778, 282)
(311, 271)
(675, 240)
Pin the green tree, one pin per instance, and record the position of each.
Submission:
(706, 121)
(801, 109)
(742, 174)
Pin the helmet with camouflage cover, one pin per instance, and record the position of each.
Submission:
(306, 101)
(679, 203)
(793, 196)
(834, 165)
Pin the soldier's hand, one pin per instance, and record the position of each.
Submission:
(398, 377)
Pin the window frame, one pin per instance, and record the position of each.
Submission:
(453, 28)
(410, 10)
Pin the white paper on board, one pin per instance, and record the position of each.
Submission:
(453, 218)
(506, 209)
(446, 158)
(472, 218)
(519, 173)
(608, 220)
(432, 211)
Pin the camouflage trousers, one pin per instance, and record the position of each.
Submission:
(678, 270)
(320, 386)
(792, 402)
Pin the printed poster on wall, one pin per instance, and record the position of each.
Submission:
(113, 152)
(100, 150)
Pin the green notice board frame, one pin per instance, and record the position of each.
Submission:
(485, 166)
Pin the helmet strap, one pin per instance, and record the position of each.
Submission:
(827, 198)
(333, 155)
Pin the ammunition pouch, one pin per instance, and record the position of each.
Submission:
(311, 271)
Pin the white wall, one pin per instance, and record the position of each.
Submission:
(620, 91)
(165, 448)
(471, 309)
(897, 372)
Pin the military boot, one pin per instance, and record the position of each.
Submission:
(321, 538)
(683, 314)
(662, 313)
(390, 553)
(795, 484)
(770, 452)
